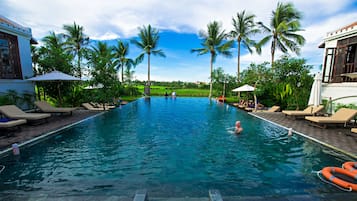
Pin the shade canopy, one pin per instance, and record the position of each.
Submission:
(315, 94)
(54, 76)
(245, 87)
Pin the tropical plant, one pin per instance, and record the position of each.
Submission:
(35, 55)
(76, 42)
(54, 57)
(284, 25)
(214, 43)
(243, 28)
(121, 51)
(148, 41)
(101, 59)
(223, 81)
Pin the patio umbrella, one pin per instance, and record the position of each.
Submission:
(55, 76)
(315, 94)
(245, 87)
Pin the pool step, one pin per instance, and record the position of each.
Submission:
(213, 195)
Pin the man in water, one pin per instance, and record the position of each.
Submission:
(238, 129)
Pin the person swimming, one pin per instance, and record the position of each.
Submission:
(238, 129)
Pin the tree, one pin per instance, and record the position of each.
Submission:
(244, 27)
(121, 52)
(148, 42)
(284, 25)
(76, 42)
(101, 59)
(52, 56)
(214, 43)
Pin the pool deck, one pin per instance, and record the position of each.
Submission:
(29, 132)
(338, 138)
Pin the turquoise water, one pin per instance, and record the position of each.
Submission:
(172, 148)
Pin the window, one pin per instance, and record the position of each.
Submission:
(329, 60)
(351, 52)
(10, 67)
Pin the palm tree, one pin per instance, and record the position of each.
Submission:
(214, 43)
(102, 60)
(244, 27)
(121, 52)
(284, 24)
(148, 42)
(76, 41)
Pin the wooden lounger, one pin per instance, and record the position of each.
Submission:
(342, 116)
(13, 112)
(309, 111)
(46, 107)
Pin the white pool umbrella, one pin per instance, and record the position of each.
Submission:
(245, 87)
(55, 76)
(315, 94)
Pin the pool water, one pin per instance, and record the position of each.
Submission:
(178, 147)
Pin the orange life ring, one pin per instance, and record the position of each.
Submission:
(327, 172)
(350, 166)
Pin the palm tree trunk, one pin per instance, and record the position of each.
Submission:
(273, 52)
(79, 64)
(210, 84)
(148, 84)
(122, 73)
(149, 69)
(238, 65)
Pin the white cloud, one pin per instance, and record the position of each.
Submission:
(123, 17)
(112, 19)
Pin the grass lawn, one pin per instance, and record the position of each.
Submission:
(160, 91)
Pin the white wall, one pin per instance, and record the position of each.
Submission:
(21, 86)
(337, 90)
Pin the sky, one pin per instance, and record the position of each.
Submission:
(179, 23)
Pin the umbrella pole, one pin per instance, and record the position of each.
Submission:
(59, 94)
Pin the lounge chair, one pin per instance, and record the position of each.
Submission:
(354, 130)
(90, 107)
(274, 108)
(342, 116)
(309, 111)
(13, 112)
(46, 107)
(100, 105)
(11, 123)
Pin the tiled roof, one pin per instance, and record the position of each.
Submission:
(11, 24)
(345, 28)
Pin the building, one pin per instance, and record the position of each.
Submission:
(15, 57)
(339, 74)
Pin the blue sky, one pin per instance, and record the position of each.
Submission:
(179, 23)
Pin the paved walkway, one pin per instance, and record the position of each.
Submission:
(28, 132)
(336, 137)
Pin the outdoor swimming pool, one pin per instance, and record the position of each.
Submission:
(173, 148)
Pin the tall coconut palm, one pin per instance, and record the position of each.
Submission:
(284, 25)
(214, 43)
(76, 41)
(244, 27)
(148, 42)
(121, 51)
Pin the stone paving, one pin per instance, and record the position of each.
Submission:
(337, 137)
(28, 132)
